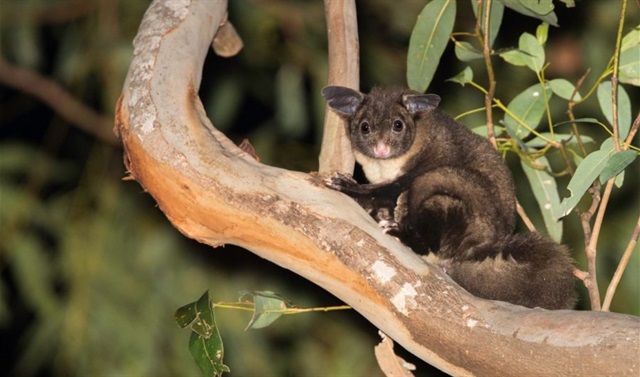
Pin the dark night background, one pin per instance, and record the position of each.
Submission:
(91, 272)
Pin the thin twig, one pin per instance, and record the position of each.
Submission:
(614, 77)
(593, 241)
(56, 97)
(486, 51)
(524, 217)
(613, 285)
(632, 132)
(585, 218)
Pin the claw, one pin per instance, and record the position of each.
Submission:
(340, 182)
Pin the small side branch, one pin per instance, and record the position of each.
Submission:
(56, 97)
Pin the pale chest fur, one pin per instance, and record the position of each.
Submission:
(380, 170)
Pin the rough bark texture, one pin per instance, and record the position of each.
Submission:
(215, 193)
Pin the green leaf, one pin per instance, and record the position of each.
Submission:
(518, 6)
(465, 52)
(529, 53)
(542, 33)
(564, 89)
(540, 7)
(617, 163)
(579, 120)
(482, 130)
(428, 41)
(208, 353)
(196, 315)
(515, 57)
(464, 77)
(569, 3)
(631, 39)
(545, 190)
(268, 307)
(629, 66)
(568, 139)
(586, 173)
(624, 107)
(527, 106)
(495, 18)
(529, 44)
(205, 343)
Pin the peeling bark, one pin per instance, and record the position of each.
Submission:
(215, 193)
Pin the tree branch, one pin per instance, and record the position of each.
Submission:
(55, 96)
(215, 193)
(344, 69)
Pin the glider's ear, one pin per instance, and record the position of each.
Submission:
(344, 101)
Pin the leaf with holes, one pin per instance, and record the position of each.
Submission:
(205, 343)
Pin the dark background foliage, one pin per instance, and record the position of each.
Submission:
(91, 271)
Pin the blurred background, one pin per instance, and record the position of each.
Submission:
(91, 271)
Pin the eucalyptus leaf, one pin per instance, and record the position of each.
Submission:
(542, 33)
(197, 315)
(186, 315)
(579, 120)
(529, 107)
(428, 41)
(629, 66)
(515, 57)
(564, 89)
(517, 6)
(530, 44)
(587, 172)
(482, 130)
(617, 163)
(266, 311)
(568, 139)
(205, 343)
(529, 53)
(624, 107)
(464, 77)
(631, 39)
(513, 133)
(208, 353)
(466, 52)
(545, 190)
(268, 307)
(540, 7)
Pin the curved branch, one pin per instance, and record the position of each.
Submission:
(215, 193)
